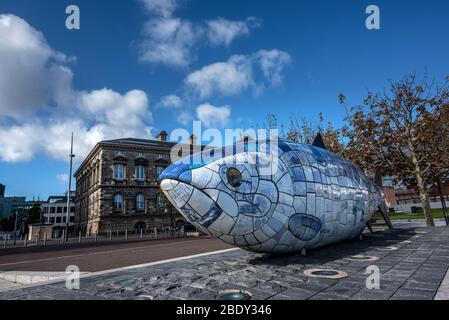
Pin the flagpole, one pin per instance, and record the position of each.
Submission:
(68, 193)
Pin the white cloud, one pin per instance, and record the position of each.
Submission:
(237, 74)
(169, 41)
(172, 41)
(226, 78)
(33, 78)
(31, 73)
(212, 116)
(272, 63)
(164, 8)
(171, 101)
(62, 178)
(221, 31)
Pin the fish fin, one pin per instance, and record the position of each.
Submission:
(369, 226)
(384, 212)
(318, 141)
(304, 226)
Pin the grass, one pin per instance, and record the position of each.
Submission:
(437, 214)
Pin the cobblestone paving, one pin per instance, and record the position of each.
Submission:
(413, 263)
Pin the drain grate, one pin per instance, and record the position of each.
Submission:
(325, 273)
(233, 295)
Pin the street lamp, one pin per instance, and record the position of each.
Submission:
(71, 156)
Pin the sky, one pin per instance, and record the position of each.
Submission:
(137, 67)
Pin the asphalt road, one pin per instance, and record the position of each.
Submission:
(97, 257)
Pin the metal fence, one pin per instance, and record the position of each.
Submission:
(108, 236)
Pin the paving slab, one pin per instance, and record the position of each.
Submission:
(412, 261)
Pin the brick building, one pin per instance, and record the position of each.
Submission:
(117, 187)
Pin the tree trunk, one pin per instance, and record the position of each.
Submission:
(422, 190)
(425, 204)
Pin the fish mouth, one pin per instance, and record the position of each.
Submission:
(196, 206)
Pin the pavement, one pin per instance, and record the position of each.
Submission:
(413, 263)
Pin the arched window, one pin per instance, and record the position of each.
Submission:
(118, 201)
(140, 202)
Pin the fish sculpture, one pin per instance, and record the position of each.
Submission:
(268, 197)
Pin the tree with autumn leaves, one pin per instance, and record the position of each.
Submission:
(402, 132)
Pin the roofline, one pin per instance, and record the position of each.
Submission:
(163, 144)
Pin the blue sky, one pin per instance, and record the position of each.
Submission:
(227, 63)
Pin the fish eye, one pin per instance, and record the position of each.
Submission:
(234, 177)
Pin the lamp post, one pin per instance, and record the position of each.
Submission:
(443, 202)
(71, 156)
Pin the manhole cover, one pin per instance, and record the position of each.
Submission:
(363, 258)
(233, 295)
(325, 273)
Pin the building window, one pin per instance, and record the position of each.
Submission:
(45, 209)
(118, 171)
(65, 209)
(52, 209)
(120, 153)
(59, 210)
(140, 172)
(72, 209)
(159, 170)
(160, 203)
(140, 155)
(118, 201)
(72, 219)
(140, 202)
(64, 219)
(160, 156)
(58, 219)
(52, 220)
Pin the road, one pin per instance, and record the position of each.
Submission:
(98, 257)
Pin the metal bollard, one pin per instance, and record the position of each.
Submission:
(45, 238)
(37, 240)
(79, 237)
(5, 244)
(155, 232)
(110, 234)
(141, 233)
(96, 235)
(117, 233)
(63, 236)
(26, 241)
(126, 234)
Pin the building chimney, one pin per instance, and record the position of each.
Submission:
(192, 139)
(162, 136)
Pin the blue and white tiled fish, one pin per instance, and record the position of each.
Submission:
(272, 198)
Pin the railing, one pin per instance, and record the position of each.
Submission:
(108, 236)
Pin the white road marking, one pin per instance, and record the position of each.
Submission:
(149, 264)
